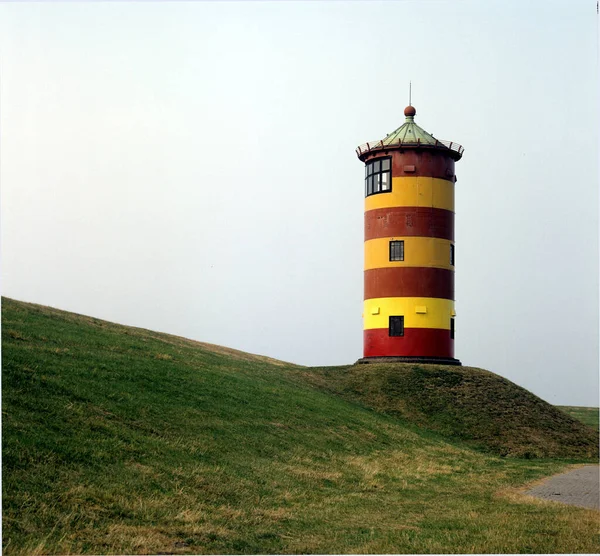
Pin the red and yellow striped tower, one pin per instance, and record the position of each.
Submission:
(409, 246)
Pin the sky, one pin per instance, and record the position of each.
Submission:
(190, 168)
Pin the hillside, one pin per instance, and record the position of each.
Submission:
(471, 405)
(123, 440)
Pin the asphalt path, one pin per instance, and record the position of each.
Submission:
(580, 487)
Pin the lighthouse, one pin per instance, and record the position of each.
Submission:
(410, 256)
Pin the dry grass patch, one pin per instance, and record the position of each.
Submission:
(17, 335)
(273, 514)
(313, 474)
(138, 538)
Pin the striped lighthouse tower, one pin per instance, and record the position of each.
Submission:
(409, 246)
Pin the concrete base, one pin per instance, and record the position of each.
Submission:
(400, 359)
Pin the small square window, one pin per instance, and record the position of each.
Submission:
(396, 326)
(397, 250)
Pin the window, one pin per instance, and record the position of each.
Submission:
(397, 250)
(451, 254)
(378, 176)
(452, 329)
(396, 326)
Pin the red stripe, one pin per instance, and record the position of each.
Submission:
(408, 281)
(433, 162)
(409, 221)
(416, 342)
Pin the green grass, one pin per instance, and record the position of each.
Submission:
(122, 440)
(588, 415)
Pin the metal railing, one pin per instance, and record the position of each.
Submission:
(378, 145)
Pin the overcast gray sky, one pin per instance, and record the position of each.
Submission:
(190, 168)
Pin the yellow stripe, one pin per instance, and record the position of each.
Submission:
(418, 251)
(438, 312)
(415, 192)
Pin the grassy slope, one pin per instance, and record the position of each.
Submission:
(588, 415)
(123, 440)
(467, 404)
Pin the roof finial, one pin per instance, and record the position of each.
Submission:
(410, 111)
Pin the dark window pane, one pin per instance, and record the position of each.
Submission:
(396, 326)
(452, 328)
(385, 164)
(369, 185)
(397, 250)
(452, 254)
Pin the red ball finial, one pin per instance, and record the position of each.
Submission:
(410, 111)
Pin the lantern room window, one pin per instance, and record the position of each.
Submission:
(378, 176)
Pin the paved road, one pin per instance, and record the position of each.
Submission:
(580, 487)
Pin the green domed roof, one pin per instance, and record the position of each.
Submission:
(409, 134)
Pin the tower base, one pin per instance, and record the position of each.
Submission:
(409, 359)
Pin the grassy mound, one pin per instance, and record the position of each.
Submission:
(464, 403)
(122, 440)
